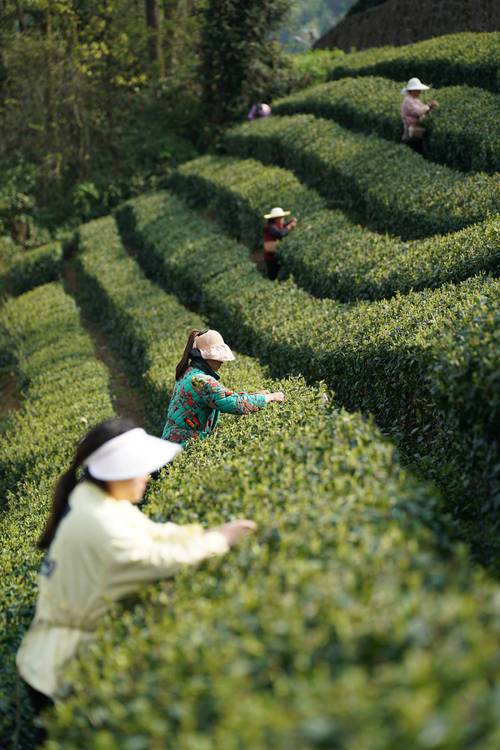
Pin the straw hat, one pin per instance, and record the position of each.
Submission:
(129, 455)
(415, 84)
(211, 345)
(276, 213)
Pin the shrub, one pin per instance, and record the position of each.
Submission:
(453, 59)
(388, 185)
(463, 133)
(312, 67)
(65, 392)
(239, 192)
(32, 268)
(330, 255)
(423, 364)
(344, 582)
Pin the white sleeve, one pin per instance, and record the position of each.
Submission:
(138, 558)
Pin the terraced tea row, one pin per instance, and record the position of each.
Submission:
(64, 391)
(328, 254)
(391, 188)
(344, 594)
(463, 133)
(423, 364)
(21, 270)
(453, 59)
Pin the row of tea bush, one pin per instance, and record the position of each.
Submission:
(328, 254)
(390, 187)
(453, 59)
(65, 391)
(423, 364)
(463, 133)
(348, 620)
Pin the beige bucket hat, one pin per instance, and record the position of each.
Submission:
(415, 84)
(211, 345)
(276, 213)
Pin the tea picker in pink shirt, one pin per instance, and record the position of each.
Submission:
(413, 112)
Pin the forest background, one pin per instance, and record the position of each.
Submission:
(100, 99)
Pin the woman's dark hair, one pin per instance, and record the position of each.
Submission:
(184, 360)
(67, 482)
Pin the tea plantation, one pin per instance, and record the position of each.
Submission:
(365, 612)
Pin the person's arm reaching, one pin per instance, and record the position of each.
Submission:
(140, 558)
(230, 402)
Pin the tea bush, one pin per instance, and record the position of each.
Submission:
(339, 622)
(423, 364)
(65, 391)
(329, 254)
(453, 59)
(463, 133)
(388, 185)
(239, 192)
(351, 574)
(31, 268)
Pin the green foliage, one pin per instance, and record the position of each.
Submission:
(312, 67)
(239, 64)
(239, 193)
(345, 592)
(423, 364)
(451, 60)
(463, 133)
(331, 257)
(388, 185)
(328, 254)
(87, 118)
(341, 605)
(65, 391)
(30, 268)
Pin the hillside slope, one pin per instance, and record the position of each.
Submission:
(394, 22)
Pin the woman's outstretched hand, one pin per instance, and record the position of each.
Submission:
(235, 530)
(276, 396)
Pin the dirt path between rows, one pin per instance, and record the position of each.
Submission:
(125, 399)
(10, 393)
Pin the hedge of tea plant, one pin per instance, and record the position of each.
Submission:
(65, 391)
(352, 574)
(239, 192)
(328, 254)
(31, 268)
(338, 625)
(424, 364)
(389, 186)
(469, 58)
(463, 133)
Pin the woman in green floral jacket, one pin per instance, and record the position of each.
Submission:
(199, 396)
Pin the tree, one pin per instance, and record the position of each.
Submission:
(239, 61)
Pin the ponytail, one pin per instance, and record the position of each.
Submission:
(68, 481)
(64, 487)
(183, 364)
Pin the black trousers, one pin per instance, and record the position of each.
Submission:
(272, 262)
(39, 702)
(417, 144)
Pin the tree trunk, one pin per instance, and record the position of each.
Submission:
(153, 22)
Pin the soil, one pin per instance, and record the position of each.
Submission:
(126, 401)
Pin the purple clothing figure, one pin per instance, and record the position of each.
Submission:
(259, 110)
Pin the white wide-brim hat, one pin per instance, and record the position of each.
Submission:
(276, 213)
(414, 84)
(211, 345)
(132, 454)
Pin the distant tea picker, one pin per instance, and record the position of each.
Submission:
(414, 112)
(199, 397)
(275, 229)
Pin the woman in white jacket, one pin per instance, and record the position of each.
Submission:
(101, 548)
